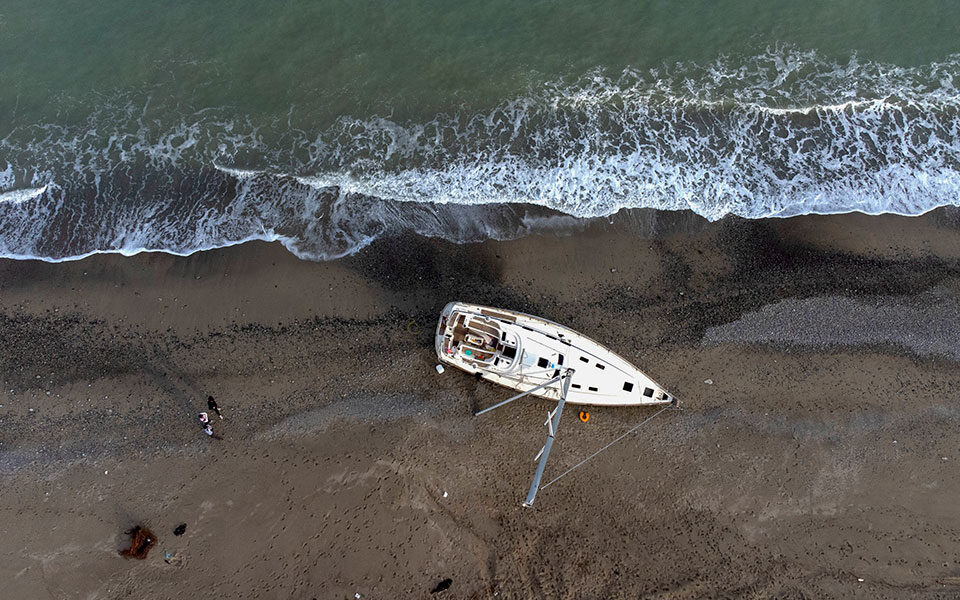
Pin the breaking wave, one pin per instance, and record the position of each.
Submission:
(782, 133)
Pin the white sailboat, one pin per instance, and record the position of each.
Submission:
(539, 357)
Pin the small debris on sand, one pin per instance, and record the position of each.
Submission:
(180, 529)
(442, 586)
(141, 540)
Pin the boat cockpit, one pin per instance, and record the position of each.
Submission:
(481, 342)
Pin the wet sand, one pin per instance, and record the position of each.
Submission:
(820, 460)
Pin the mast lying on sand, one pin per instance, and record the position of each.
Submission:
(552, 423)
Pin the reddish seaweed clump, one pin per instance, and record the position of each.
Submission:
(141, 540)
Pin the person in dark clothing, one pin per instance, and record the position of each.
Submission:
(212, 405)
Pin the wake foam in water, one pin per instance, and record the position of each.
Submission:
(779, 134)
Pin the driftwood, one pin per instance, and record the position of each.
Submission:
(141, 540)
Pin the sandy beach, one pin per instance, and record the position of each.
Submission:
(814, 454)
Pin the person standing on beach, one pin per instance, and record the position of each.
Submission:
(208, 430)
(212, 405)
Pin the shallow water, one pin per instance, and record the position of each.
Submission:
(188, 125)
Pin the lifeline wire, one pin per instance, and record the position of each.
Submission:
(631, 430)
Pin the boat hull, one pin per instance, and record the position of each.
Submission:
(521, 352)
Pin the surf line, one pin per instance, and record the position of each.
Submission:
(672, 406)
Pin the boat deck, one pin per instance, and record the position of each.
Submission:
(480, 342)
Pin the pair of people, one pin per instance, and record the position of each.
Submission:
(205, 419)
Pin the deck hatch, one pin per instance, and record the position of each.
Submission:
(542, 363)
(627, 386)
(648, 392)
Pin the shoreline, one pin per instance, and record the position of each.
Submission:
(522, 220)
(781, 477)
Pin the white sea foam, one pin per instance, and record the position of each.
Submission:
(781, 133)
(7, 177)
(10, 193)
(238, 173)
(891, 144)
(18, 196)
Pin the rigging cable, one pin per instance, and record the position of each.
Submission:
(629, 431)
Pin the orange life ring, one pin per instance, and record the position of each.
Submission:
(584, 416)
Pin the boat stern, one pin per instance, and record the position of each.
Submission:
(443, 328)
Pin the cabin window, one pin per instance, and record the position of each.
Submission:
(559, 359)
(542, 363)
(648, 392)
(575, 386)
(592, 389)
(599, 366)
(585, 359)
(627, 386)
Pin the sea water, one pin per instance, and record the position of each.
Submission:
(181, 126)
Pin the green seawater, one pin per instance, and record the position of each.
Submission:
(306, 62)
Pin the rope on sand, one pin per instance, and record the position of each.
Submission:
(629, 431)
